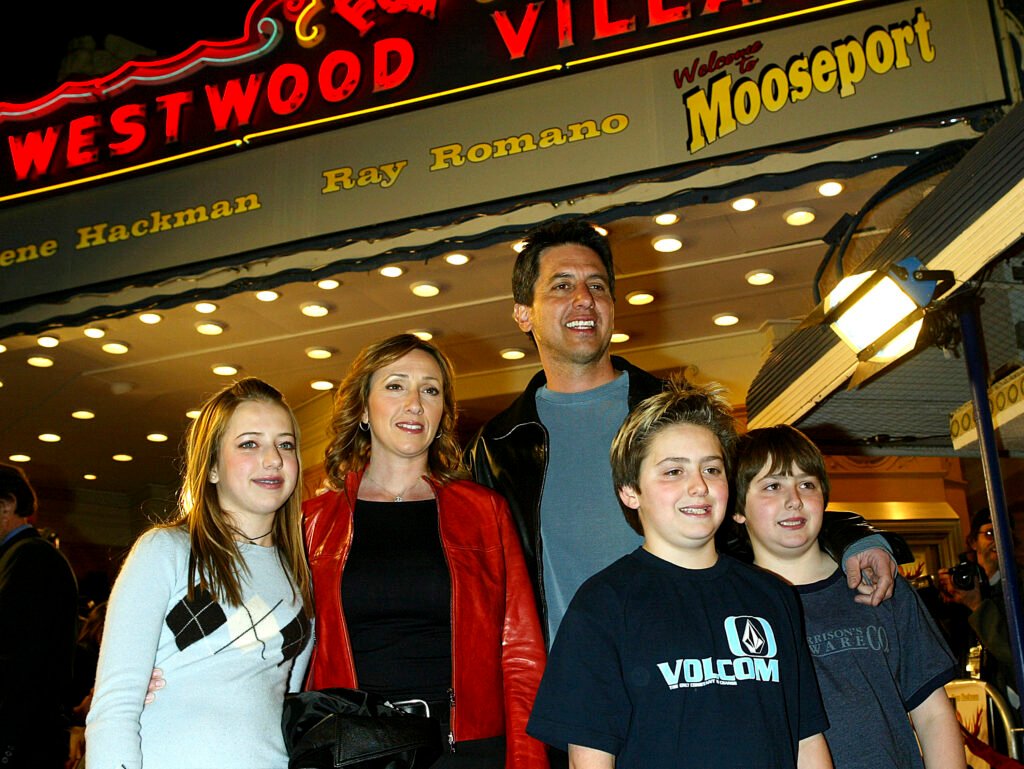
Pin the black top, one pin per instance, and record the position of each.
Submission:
(396, 595)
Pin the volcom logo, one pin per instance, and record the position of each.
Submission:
(750, 637)
(751, 640)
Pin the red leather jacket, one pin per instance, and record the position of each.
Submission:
(497, 647)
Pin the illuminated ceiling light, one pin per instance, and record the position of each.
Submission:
(268, 296)
(600, 230)
(95, 332)
(744, 204)
(319, 353)
(83, 414)
(1, 383)
(20, 458)
(328, 284)
(40, 361)
(205, 307)
(89, 476)
(798, 217)
(151, 318)
(725, 319)
(879, 314)
(422, 334)
(513, 353)
(210, 327)
(115, 348)
(192, 413)
(315, 309)
(156, 437)
(760, 277)
(640, 297)
(667, 245)
(3, 348)
(122, 457)
(322, 384)
(425, 288)
(457, 260)
(49, 437)
(391, 271)
(830, 189)
(518, 246)
(666, 219)
(618, 337)
(47, 340)
(224, 369)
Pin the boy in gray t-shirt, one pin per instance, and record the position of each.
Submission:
(875, 665)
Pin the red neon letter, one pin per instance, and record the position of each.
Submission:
(564, 15)
(425, 8)
(173, 104)
(233, 102)
(713, 6)
(32, 154)
(332, 90)
(659, 14)
(128, 121)
(355, 12)
(81, 141)
(516, 40)
(396, 49)
(605, 28)
(288, 77)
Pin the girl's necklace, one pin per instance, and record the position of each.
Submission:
(243, 535)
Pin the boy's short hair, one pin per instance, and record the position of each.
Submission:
(785, 446)
(680, 403)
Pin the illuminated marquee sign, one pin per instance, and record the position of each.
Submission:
(306, 65)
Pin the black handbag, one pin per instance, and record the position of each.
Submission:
(335, 728)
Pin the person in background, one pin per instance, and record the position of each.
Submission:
(87, 653)
(547, 453)
(421, 591)
(881, 669)
(219, 599)
(38, 625)
(676, 655)
(987, 606)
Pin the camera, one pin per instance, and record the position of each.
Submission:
(965, 575)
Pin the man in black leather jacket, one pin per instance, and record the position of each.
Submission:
(563, 285)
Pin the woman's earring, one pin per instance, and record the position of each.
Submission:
(439, 434)
(364, 426)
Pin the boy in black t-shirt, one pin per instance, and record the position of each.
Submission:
(675, 655)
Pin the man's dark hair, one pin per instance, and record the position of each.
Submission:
(14, 485)
(557, 233)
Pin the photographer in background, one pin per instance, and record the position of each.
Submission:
(980, 590)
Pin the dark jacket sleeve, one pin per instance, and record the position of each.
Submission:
(840, 529)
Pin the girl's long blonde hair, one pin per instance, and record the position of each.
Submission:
(215, 562)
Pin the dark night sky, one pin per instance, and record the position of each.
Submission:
(34, 35)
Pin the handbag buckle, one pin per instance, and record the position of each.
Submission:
(413, 707)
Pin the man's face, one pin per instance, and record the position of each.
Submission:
(984, 544)
(572, 312)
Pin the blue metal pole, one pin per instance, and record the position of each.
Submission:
(976, 374)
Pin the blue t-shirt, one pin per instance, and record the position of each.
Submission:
(581, 524)
(663, 667)
(874, 664)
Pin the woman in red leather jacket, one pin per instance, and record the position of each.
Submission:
(420, 588)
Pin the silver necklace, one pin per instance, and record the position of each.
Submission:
(397, 497)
